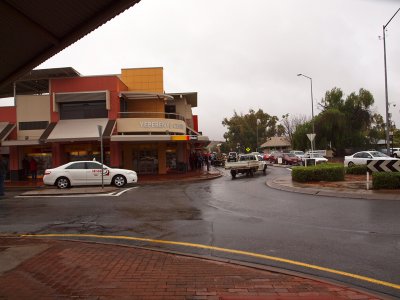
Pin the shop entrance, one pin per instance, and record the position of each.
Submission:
(172, 165)
(145, 159)
(39, 158)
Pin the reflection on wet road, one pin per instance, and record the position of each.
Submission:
(352, 235)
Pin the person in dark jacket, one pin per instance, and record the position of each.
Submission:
(33, 168)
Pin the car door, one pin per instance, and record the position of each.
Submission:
(362, 158)
(93, 173)
(76, 172)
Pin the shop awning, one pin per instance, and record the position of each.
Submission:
(5, 130)
(191, 131)
(77, 130)
(20, 143)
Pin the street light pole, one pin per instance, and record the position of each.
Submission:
(312, 105)
(100, 128)
(257, 123)
(386, 87)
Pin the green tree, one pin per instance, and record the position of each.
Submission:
(243, 129)
(299, 137)
(344, 123)
(329, 124)
(333, 99)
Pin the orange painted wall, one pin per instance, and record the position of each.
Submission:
(150, 80)
(146, 105)
(85, 84)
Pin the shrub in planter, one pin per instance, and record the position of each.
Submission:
(386, 180)
(357, 170)
(322, 172)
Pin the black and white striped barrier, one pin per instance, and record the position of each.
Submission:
(383, 165)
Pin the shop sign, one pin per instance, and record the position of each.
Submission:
(160, 124)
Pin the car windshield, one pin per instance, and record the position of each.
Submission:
(378, 154)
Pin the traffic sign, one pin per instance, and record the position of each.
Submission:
(311, 136)
(248, 149)
(383, 165)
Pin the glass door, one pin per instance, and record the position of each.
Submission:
(145, 161)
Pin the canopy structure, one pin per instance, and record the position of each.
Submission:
(33, 31)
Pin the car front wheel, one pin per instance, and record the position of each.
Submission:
(63, 183)
(119, 180)
(351, 164)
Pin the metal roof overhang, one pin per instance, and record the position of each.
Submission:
(36, 81)
(33, 31)
(138, 95)
(191, 97)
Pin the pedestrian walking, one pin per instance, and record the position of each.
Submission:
(33, 168)
(3, 173)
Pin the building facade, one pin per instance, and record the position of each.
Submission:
(142, 127)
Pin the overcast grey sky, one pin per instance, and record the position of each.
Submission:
(240, 55)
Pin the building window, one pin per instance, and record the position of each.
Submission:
(34, 125)
(83, 110)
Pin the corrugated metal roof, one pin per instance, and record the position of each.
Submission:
(36, 81)
(33, 31)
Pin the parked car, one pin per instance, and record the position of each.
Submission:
(266, 156)
(298, 153)
(395, 152)
(87, 173)
(273, 156)
(360, 158)
(319, 159)
(290, 159)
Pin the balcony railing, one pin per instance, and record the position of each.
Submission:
(161, 115)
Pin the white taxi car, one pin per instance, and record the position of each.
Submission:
(87, 173)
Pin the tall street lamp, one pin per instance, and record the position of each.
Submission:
(258, 121)
(386, 88)
(312, 103)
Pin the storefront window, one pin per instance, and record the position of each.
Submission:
(43, 162)
(146, 161)
(79, 152)
(171, 159)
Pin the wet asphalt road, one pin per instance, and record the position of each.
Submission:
(352, 235)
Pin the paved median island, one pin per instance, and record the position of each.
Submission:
(353, 187)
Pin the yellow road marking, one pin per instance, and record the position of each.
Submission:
(246, 253)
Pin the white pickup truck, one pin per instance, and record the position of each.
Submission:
(247, 164)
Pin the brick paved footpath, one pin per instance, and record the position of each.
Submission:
(67, 269)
